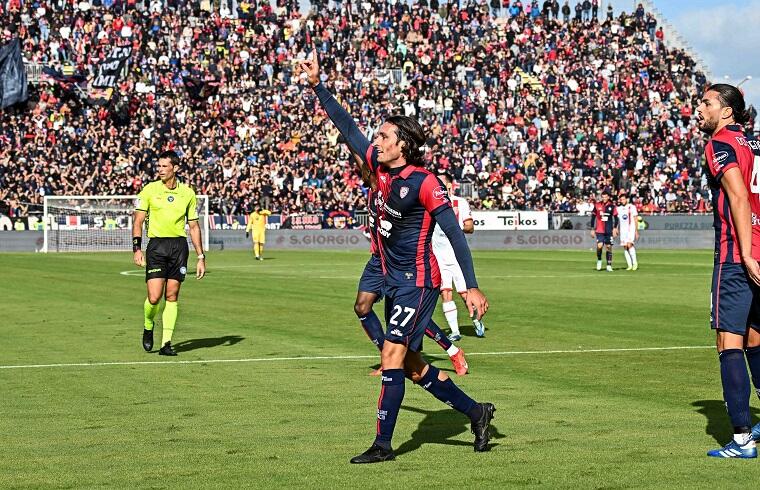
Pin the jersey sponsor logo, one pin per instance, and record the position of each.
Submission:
(719, 158)
(440, 193)
(385, 228)
(403, 192)
(170, 198)
(392, 212)
(755, 220)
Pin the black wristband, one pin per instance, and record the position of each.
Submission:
(136, 243)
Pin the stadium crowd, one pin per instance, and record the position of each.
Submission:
(530, 106)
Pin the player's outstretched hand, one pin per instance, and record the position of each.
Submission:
(753, 269)
(310, 66)
(477, 304)
(139, 259)
(200, 269)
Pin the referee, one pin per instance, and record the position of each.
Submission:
(166, 204)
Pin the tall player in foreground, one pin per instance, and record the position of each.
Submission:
(372, 287)
(410, 200)
(733, 161)
(451, 273)
(166, 203)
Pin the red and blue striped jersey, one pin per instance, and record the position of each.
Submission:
(407, 199)
(727, 149)
(372, 226)
(604, 217)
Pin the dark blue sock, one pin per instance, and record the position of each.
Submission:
(434, 332)
(373, 328)
(609, 257)
(447, 392)
(733, 373)
(598, 254)
(391, 396)
(753, 360)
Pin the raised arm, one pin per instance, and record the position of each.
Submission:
(338, 115)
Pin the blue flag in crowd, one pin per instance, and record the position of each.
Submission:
(13, 83)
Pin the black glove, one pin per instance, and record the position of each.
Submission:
(246, 234)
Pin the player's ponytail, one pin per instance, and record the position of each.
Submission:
(732, 97)
(411, 133)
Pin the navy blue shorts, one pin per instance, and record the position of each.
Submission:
(733, 300)
(604, 238)
(372, 280)
(408, 311)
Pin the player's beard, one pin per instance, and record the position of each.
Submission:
(708, 127)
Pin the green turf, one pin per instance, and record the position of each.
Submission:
(627, 419)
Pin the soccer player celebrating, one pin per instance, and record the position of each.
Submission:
(451, 273)
(409, 201)
(604, 225)
(166, 203)
(257, 224)
(372, 288)
(733, 161)
(629, 231)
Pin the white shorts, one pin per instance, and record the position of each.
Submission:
(626, 238)
(452, 273)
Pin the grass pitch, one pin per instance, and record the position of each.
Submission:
(608, 414)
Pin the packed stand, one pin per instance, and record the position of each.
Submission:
(529, 106)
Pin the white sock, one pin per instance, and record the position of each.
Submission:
(632, 251)
(452, 351)
(450, 312)
(743, 439)
(627, 257)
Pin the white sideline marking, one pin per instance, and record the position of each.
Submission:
(330, 358)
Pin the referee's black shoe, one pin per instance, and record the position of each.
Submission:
(375, 454)
(167, 350)
(148, 340)
(480, 426)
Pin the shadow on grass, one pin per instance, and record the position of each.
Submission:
(718, 423)
(439, 427)
(187, 345)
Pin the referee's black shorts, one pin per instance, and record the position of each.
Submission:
(166, 258)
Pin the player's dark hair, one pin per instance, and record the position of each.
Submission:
(411, 133)
(171, 155)
(732, 97)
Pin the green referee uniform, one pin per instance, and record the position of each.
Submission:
(167, 209)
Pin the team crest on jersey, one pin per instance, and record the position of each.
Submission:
(403, 192)
(170, 198)
(440, 193)
(383, 178)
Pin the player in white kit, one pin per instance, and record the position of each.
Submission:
(629, 230)
(451, 273)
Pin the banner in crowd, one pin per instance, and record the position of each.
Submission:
(511, 220)
(339, 220)
(303, 221)
(109, 71)
(13, 81)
